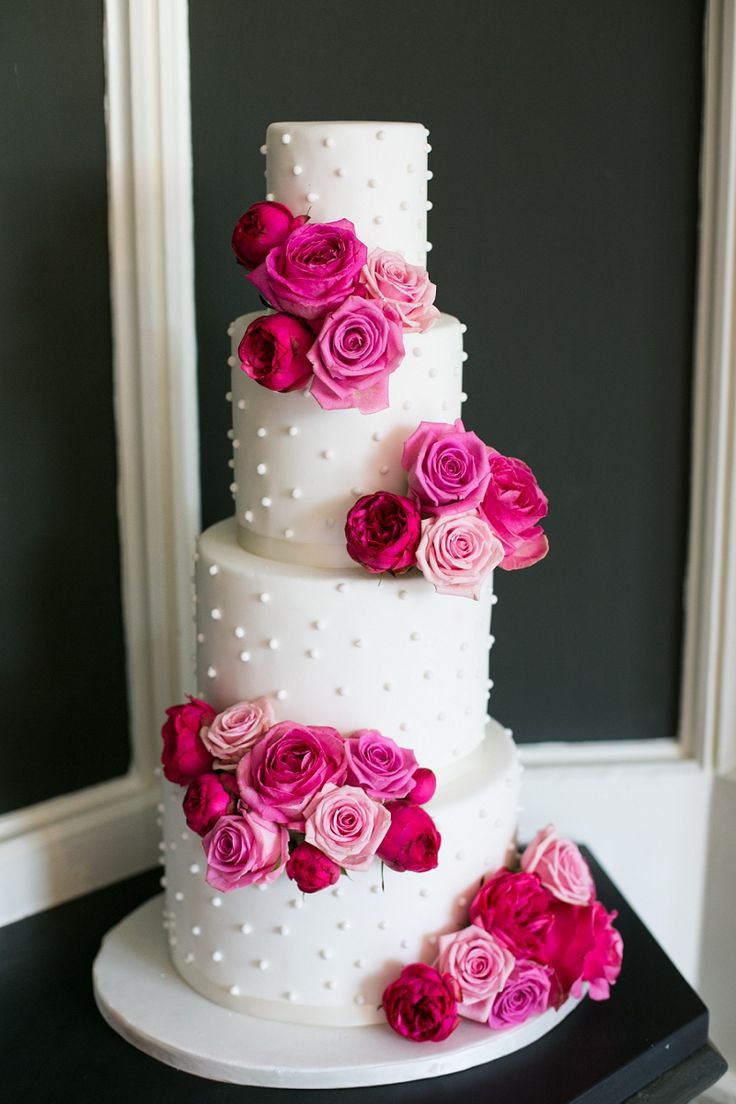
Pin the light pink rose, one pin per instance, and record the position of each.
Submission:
(513, 504)
(458, 552)
(405, 286)
(479, 964)
(448, 467)
(346, 824)
(525, 994)
(244, 850)
(560, 867)
(232, 732)
(377, 764)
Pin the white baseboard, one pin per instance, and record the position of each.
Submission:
(723, 1092)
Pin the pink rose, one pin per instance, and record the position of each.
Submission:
(602, 963)
(525, 994)
(313, 270)
(513, 504)
(244, 850)
(560, 867)
(274, 350)
(405, 286)
(377, 764)
(424, 787)
(360, 343)
(209, 797)
(345, 823)
(421, 1004)
(412, 841)
(458, 552)
(382, 532)
(448, 467)
(479, 964)
(516, 909)
(263, 226)
(280, 774)
(232, 732)
(311, 869)
(184, 756)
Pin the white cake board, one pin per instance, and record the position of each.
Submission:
(144, 999)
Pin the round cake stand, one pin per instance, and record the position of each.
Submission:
(142, 997)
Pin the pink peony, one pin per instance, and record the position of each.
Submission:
(280, 774)
(232, 732)
(263, 226)
(209, 797)
(421, 1004)
(244, 850)
(448, 467)
(311, 869)
(360, 343)
(525, 994)
(602, 964)
(412, 841)
(273, 352)
(424, 786)
(405, 286)
(513, 504)
(346, 824)
(479, 964)
(560, 867)
(382, 532)
(377, 764)
(184, 756)
(313, 270)
(582, 945)
(516, 909)
(457, 553)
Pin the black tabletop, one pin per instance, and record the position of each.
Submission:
(649, 1042)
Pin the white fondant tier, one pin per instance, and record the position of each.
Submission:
(351, 650)
(374, 174)
(325, 958)
(298, 469)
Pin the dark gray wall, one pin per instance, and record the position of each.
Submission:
(566, 142)
(61, 644)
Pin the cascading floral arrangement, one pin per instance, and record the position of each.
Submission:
(270, 798)
(340, 312)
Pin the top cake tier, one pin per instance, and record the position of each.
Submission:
(373, 173)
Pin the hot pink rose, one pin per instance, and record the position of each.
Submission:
(346, 824)
(382, 532)
(421, 1004)
(448, 467)
(412, 841)
(458, 552)
(513, 504)
(184, 756)
(424, 787)
(479, 964)
(311, 869)
(405, 286)
(377, 764)
(516, 909)
(560, 867)
(360, 343)
(232, 732)
(274, 350)
(280, 774)
(314, 270)
(244, 850)
(525, 994)
(602, 964)
(263, 226)
(209, 797)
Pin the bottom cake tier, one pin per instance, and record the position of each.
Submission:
(325, 958)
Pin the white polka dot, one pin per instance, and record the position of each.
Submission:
(273, 644)
(297, 170)
(264, 597)
(312, 197)
(286, 139)
(282, 695)
(262, 963)
(244, 657)
(239, 631)
(328, 454)
(328, 143)
(261, 469)
(246, 929)
(248, 515)
(266, 501)
(217, 956)
(325, 953)
(378, 220)
(241, 404)
(372, 183)
(380, 135)
(341, 172)
(261, 431)
(288, 533)
(234, 990)
(296, 492)
(216, 902)
(216, 614)
(211, 672)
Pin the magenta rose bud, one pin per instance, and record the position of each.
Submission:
(184, 756)
(480, 964)
(412, 841)
(262, 227)
(360, 343)
(513, 504)
(525, 994)
(274, 350)
(313, 270)
(311, 869)
(209, 797)
(346, 824)
(236, 729)
(424, 786)
(560, 867)
(405, 286)
(448, 467)
(244, 850)
(421, 1004)
(516, 909)
(383, 769)
(457, 553)
(382, 532)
